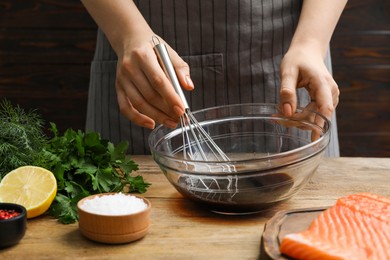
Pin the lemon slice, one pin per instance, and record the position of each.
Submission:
(30, 186)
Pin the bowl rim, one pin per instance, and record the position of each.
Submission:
(22, 215)
(148, 203)
(268, 157)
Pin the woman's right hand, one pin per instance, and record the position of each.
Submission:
(145, 95)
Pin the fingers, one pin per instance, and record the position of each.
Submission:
(288, 85)
(325, 93)
(315, 77)
(128, 110)
(159, 82)
(138, 110)
(145, 94)
(145, 98)
(305, 120)
(182, 71)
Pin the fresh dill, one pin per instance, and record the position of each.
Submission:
(21, 137)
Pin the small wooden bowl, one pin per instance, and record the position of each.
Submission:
(114, 229)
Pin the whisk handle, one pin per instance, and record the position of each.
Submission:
(166, 64)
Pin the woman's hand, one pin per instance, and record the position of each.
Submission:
(145, 94)
(305, 67)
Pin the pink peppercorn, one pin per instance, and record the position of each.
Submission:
(8, 213)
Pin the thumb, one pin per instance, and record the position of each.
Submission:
(182, 71)
(288, 95)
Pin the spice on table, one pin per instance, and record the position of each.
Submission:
(114, 204)
(8, 213)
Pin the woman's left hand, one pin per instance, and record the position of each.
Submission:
(304, 66)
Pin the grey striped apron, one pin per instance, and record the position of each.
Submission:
(233, 48)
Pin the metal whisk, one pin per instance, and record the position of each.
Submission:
(197, 143)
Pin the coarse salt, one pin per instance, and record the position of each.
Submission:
(114, 204)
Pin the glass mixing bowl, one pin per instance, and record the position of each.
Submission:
(271, 157)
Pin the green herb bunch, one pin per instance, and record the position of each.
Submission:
(86, 164)
(21, 137)
(83, 163)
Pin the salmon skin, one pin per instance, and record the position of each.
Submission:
(356, 227)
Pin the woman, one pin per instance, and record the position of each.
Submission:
(230, 51)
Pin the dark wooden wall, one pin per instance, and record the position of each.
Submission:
(46, 47)
(361, 63)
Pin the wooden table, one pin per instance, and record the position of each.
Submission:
(181, 230)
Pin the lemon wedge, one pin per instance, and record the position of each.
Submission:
(32, 187)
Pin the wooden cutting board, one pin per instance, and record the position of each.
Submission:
(283, 223)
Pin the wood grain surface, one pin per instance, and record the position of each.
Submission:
(181, 230)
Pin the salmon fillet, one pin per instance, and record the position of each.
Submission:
(356, 227)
